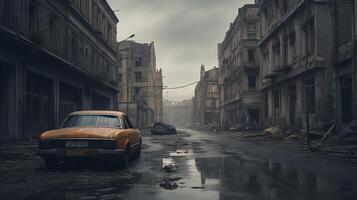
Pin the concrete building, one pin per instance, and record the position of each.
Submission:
(296, 49)
(55, 57)
(354, 25)
(206, 99)
(140, 82)
(239, 71)
(179, 113)
(342, 62)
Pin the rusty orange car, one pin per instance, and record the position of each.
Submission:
(104, 135)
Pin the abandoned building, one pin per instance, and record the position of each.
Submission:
(307, 63)
(178, 113)
(296, 63)
(140, 83)
(342, 63)
(206, 99)
(354, 58)
(239, 71)
(55, 57)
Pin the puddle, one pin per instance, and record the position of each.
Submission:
(232, 178)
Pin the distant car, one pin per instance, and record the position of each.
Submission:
(102, 135)
(159, 128)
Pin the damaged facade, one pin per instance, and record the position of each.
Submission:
(307, 63)
(55, 57)
(295, 50)
(206, 99)
(239, 71)
(140, 83)
(354, 86)
(342, 62)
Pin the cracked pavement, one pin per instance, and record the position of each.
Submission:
(209, 165)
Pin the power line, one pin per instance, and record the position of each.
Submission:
(179, 87)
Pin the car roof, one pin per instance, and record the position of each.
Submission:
(98, 112)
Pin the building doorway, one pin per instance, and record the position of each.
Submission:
(39, 104)
(346, 99)
(254, 116)
(4, 100)
(292, 104)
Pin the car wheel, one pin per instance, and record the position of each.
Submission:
(51, 163)
(138, 152)
(124, 162)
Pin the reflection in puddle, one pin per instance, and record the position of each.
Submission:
(102, 186)
(239, 179)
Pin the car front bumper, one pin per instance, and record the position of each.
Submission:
(79, 153)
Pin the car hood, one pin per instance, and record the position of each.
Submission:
(81, 132)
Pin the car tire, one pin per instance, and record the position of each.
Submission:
(51, 164)
(138, 152)
(124, 162)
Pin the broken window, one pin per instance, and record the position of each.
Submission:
(120, 77)
(292, 50)
(285, 51)
(344, 23)
(311, 37)
(252, 30)
(252, 81)
(251, 55)
(138, 62)
(138, 77)
(137, 91)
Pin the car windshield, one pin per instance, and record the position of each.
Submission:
(92, 121)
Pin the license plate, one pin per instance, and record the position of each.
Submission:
(76, 152)
(78, 144)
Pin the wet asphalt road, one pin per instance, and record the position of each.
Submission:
(208, 165)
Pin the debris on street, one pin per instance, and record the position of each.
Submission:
(170, 183)
(169, 165)
(159, 128)
(274, 131)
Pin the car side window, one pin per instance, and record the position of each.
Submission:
(129, 122)
(126, 125)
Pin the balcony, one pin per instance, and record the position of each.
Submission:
(272, 75)
(285, 68)
(251, 67)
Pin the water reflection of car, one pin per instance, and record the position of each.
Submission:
(159, 128)
(99, 135)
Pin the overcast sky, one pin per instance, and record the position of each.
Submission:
(185, 32)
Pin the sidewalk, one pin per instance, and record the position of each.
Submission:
(298, 143)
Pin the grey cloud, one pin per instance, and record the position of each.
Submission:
(185, 32)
